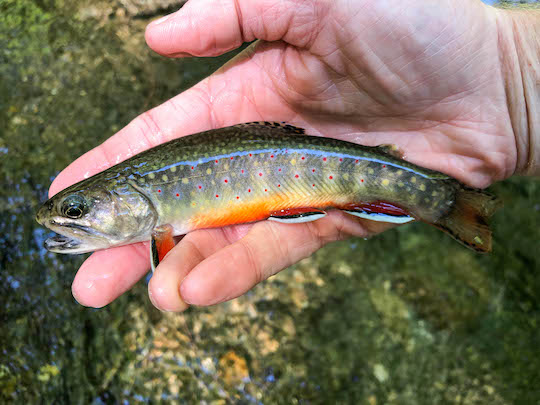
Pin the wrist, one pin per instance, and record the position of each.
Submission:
(519, 44)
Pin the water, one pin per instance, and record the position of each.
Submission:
(406, 317)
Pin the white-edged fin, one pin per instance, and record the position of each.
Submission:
(380, 217)
(154, 258)
(298, 219)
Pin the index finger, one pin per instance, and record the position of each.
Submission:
(231, 95)
(187, 113)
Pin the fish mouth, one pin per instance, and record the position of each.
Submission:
(62, 244)
(73, 238)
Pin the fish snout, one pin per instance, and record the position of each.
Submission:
(44, 212)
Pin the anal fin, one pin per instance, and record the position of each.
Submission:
(162, 242)
(380, 211)
(379, 217)
(296, 215)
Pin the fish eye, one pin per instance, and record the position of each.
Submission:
(73, 206)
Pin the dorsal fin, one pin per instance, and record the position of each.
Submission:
(391, 149)
(272, 124)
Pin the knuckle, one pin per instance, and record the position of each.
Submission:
(279, 245)
(148, 127)
(252, 262)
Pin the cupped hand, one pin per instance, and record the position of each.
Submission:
(422, 75)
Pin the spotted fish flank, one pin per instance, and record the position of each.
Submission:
(250, 172)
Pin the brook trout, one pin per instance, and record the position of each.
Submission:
(252, 172)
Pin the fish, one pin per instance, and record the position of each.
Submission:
(252, 172)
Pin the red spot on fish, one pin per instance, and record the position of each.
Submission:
(192, 168)
(279, 185)
(330, 177)
(279, 170)
(362, 180)
(313, 170)
(159, 191)
(265, 189)
(324, 159)
(356, 161)
(226, 181)
(217, 195)
(250, 155)
(313, 185)
(200, 187)
(217, 161)
(260, 174)
(242, 170)
(340, 159)
(237, 197)
(178, 195)
(303, 158)
(272, 156)
(232, 158)
(383, 166)
(296, 176)
(249, 190)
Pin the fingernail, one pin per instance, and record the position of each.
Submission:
(155, 302)
(183, 294)
(151, 296)
(192, 291)
(179, 55)
(160, 20)
(195, 292)
(74, 294)
(89, 296)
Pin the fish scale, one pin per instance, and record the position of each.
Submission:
(265, 184)
(254, 171)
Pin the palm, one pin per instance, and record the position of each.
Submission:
(372, 74)
(439, 96)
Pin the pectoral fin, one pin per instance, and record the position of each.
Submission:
(162, 242)
(296, 215)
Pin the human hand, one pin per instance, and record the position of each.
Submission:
(422, 75)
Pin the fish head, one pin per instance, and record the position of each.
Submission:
(96, 215)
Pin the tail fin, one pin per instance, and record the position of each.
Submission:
(467, 220)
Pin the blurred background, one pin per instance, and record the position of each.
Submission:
(408, 317)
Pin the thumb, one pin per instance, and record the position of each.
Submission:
(213, 27)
